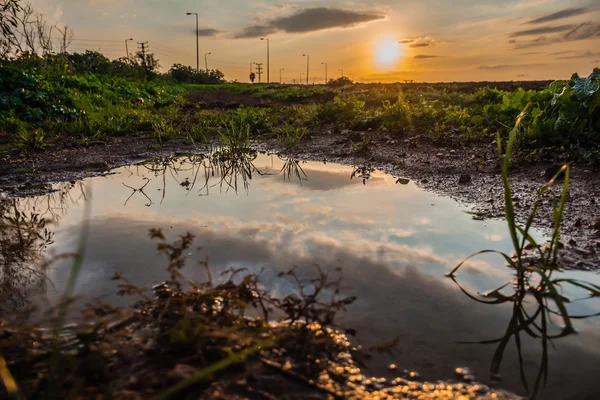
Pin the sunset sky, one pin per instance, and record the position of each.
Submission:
(374, 40)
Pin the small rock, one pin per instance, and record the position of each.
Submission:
(578, 223)
(572, 242)
(440, 154)
(452, 151)
(465, 178)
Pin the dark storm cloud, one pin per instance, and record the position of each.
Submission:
(310, 20)
(422, 56)
(542, 30)
(566, 13)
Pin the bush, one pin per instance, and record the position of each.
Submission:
(186, 74)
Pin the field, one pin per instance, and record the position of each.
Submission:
(62, 120)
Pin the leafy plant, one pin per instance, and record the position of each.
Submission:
(533, 275)
(290, 136)
(31, 141)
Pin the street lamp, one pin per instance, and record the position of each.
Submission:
(268, 62)
(197, 44)
(206, 60)
(307, 64)
(325, 64)
(280, 81)
(127, 48)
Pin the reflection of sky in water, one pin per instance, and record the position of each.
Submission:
(395, 243)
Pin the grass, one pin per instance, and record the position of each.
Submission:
(533, 277)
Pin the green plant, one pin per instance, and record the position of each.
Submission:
(290, 136)
(31, 141)
(533, 275)
(362, 147)
(163, 131)
(396, 117)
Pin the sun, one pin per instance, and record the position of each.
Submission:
(387, 52)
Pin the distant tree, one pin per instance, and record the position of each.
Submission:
(252, 77)
(187, 74)
(343, 81)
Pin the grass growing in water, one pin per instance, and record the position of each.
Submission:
(533, 277)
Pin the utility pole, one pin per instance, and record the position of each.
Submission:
(259, 70)
(280, 81)
(352, 76)
(143, 48)
(307, 65)
(197, 43)
(126, 47)
(206, 60)
(341, 73)
(301, 74)
(325, 64)
(268, 61)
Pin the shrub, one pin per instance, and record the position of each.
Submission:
(186, 74)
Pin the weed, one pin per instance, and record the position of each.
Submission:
(31, 141)
(290, 136)
(533, 275)
(363, 147)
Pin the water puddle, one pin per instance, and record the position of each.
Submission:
(393, 241)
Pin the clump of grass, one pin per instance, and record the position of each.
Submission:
(31, 141)
(291, 136)
(533, 276)
(163, 131)
(363, 147)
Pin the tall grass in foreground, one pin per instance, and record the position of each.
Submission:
(533, 276)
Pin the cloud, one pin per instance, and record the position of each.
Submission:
(255, 31)
(424, 41)
(583, 31)
(586, 30)
(587, 54)
(310, 20)
(542, 30)
(423, 56)
(507, 66)
(530, 53)
(208, 32)
(566, 13)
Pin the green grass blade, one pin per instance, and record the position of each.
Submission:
(216, 367)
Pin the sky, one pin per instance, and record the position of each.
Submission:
(370, 41)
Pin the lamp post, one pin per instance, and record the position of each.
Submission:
(280, 81)
(268, 61)
(206, 61)
(126, 47)
(307, 65)
(325, 64)
(197, 44)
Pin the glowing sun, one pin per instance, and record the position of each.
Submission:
(387, 52)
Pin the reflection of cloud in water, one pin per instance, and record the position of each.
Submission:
(428, 311)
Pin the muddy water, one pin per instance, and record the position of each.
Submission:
(393, 241)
